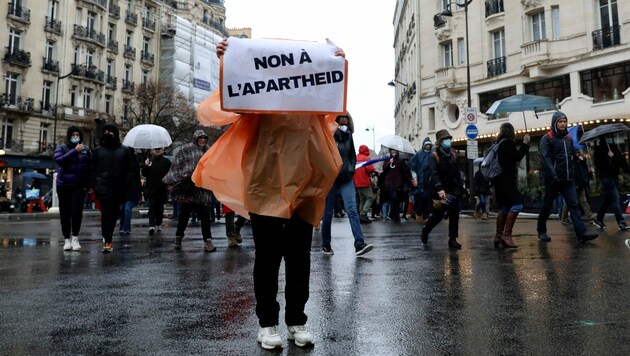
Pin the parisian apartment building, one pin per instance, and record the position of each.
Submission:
(576, 52)
(77, 62)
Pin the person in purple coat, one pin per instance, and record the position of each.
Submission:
(73, 178)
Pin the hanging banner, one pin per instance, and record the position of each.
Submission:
(282, 76)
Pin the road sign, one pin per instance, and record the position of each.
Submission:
(471, 115)
(472, 149)
(472, 132)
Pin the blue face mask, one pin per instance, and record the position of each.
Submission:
(446, 143)
(75, 139)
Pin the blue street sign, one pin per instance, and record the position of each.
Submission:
(471, 132)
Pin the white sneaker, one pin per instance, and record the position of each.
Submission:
(301, 336)
(76, 246)
(67, 246)
(269, 338)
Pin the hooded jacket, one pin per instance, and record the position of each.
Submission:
(113, 169)
(362, 175)
(73, 167)
(557, 153)
(345, 144)
(419, 164)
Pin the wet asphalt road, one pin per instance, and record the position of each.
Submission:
(402, 298)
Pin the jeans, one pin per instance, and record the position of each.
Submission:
(70, 209)
(275, 239)
(126, 210)
(347, 192)
(514, 209)
(567, 189)
(611, 197)
(203, 213)
(483, 198)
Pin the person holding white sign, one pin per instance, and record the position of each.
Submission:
(282, 160)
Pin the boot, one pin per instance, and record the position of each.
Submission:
(500, 227)
(452, 243)
(506, 238)
(208, 246)
(232, 240)
(484, 216)
(178, 242)
(475, 215)
(424, 236)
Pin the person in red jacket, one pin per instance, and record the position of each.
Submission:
(363, 184)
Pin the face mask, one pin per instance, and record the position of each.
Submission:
(343, 128)
(75, 139)
(446, 143)
(107, 139)
(609, 140)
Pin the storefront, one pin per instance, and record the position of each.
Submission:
(12, 167)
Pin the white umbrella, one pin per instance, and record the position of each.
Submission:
(396, 142)
(147, 136)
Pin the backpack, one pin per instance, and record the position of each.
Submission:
(490, 166)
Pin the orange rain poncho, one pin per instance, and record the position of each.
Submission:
(269, 164)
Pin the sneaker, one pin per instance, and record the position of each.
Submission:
(599, 224)
(363, 249)
(107, 247)
(566, 222)
(300, 335)
(232, 241)
(208, 246)
(67, 246)
(623, 226)
(628, 243)
(542, 236)
(178, 242)
(328, 251)
(269, 337)
(151, 230)
(158, 228)
(74, 242)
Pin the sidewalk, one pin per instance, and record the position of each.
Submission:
(137, 214)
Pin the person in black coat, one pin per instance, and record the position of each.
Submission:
(509, 199)
(447, 185)
(558, 167)
(481, 188)
(154, 189)
(582, 178)
(609, 162)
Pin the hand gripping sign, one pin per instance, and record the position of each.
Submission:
(282, 76)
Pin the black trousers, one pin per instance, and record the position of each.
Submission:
(453, 219)
(110, 211)
(156, 210)
(71, 199)
(274, 239)
(203, 214)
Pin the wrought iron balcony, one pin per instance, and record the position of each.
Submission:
(111, 81)
(88, 72)
(127, 86)
(50, 66)
(52, 25)
(100, 3)
(494, 7)
(131, 18)
(46, 109)
(147, 58)
(148, 24)
(112, 46)
(496, 66)
(114, 10)
(84, 33)
(13, 145)
(130, 52)
(18, 57)
(606, 37)
(19, 103)
(19, 13)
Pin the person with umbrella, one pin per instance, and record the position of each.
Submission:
(155, 190)
(397, 175)
(73, 178)
(609, 161)
(558, 169)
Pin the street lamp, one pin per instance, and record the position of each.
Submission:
(438, 22)
(373, 136)
(392, 83)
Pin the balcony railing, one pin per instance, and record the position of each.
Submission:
(148, 24)
(496, 66)
(85, 33)
(85, 72)
(100, 3)
(18, 103)
(111, 81)
(46, 109)
(606, 37)
(494, 7)
(147, 58)
(217, 25)
(9, 144)
(19, 13)
(130, 52)
(18, 57)
(114, 10)
(127, 86)
(131, 18)
(52, 25)
(112, 46)
(50, 66)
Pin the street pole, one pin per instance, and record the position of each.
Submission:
(467, 55)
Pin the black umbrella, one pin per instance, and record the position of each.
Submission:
(604, 130)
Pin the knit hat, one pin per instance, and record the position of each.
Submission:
(199, 133)
(442, 134)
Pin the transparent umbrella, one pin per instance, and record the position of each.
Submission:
(147, 136)
(398, 143)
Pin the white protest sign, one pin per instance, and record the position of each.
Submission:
(262, 75)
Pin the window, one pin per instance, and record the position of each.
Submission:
(73, 96)
(46, 90)
(487, 99)
(111, 31)
(445, 4)
(52, 8)
(606, 83)
(555, 22)
(108, 104)
(87, 98)
(608, 13)
(129, 38)
(11, 88)
(538, 26)
(7, 133)
(76, 54)
(447, 54)
(498, 44)
(145, 77)
(110, 67)
(48, 55)
(127, 72)
(89, 57)
(431, 119)
(556, 88)
(91, 22)
(145, 45)
(125, 116)
(14, 40)
(43, 136)
(461, 47)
